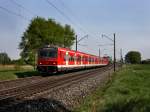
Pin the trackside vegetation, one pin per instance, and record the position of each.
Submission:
(128, 91)
(11, 72)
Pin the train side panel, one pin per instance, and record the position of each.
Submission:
(67, 59)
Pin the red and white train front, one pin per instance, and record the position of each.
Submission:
(55, 59)
(47, 60)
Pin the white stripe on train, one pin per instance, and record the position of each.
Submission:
(70, 66)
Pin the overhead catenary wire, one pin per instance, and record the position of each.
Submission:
(64, 15)
(75, 18)
(13, 13)
(21, 6)
(71, 12)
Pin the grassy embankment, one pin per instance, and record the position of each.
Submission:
(128, 91)
(9, 72)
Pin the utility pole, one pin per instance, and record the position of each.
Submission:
(114, 44)
(76, 43)
(114, 52)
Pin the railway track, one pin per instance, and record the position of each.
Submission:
(14, 95)
(17, 82)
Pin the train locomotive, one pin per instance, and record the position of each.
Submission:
(58, 59)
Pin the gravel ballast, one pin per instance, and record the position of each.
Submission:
(62, 99)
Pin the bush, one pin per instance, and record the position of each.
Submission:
(133, 57)
(146, 61)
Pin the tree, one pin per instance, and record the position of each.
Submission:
(147, 61)
(133, 57)
(41, 32)
(19, 61)
(4, 59)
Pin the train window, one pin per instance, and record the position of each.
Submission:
(89, 59)
(86, 59)
(79, 58)
(66, 57)
(83, 58)
(71, 58)
(48, 53)
(92, 59)
(75, 58)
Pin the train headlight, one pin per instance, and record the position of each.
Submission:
(54, 63)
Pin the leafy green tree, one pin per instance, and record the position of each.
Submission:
(133, 57)
(42, 32)
(4, 59)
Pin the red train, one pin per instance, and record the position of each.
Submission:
(57, 59)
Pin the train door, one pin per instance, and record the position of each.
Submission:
(62, 57)
(67, 57)
(78, 59)
(71, 58)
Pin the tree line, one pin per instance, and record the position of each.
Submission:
(41, 32)
(4, 58)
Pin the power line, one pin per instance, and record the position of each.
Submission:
(67, 17)
(13, 13)
(64, 15)
(21, 6)
(71, 12)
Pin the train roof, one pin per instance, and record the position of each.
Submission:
(57, 47)
(77, 51)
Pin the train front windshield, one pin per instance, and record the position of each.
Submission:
(48, 53)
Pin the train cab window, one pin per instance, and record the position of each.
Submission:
(48, 53)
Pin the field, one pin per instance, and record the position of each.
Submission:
(10, 72)
(128, 91)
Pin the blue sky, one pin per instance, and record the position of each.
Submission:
(129, 19)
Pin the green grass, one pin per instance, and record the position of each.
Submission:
(129, 91)
(14, 72)
(7, 75)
